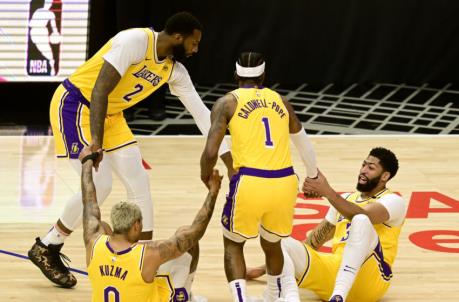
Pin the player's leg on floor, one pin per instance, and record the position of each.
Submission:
(361, 242)
(127, 164)
(46, 253)
(235, 268)
(296, 260)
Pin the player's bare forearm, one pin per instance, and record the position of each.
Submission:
(214, 139)
(91, 211)
(188, 236)
(344, 207)
(320, 234)
(106, 81)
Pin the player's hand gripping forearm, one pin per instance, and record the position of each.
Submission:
(188, 236)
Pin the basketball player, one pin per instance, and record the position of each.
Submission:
(263, 192)
(365, 226)
(121, 269)
(87, 109)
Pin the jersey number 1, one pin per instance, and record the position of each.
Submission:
(268, 142)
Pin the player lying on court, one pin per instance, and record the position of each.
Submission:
(365, 226)
(122, 269)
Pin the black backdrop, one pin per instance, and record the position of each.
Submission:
(304, 41)
(309, 41)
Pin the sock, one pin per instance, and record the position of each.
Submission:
(361, 242)
(238, 290)
(55, 236)
(274, 288)
(289, 285)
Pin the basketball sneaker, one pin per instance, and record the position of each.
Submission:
(48, 259)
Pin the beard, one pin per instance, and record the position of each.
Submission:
(179, 53)
(370, 185)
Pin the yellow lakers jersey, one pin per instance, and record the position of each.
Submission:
(388, 235)
(116, 276)
(259, 130)
(139, 81)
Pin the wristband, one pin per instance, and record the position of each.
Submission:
(91, 156)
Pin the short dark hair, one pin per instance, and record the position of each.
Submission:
(183, 23)
(250, 59)
(387, 159)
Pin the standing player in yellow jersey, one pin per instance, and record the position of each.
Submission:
(121, 269)
(365, 226)
(263, 193)
(88, 109)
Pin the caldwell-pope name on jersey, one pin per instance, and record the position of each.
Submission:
(146, 74)
(256, 104)
(113, 271)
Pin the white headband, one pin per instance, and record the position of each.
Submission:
(250, 72)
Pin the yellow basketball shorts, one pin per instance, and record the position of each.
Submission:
(260, 199)
(69, 117)
(371, 283)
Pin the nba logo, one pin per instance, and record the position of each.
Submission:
(44, 37)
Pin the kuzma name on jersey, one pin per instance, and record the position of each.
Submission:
(112, 271)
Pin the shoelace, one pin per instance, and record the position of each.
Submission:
(61, 260)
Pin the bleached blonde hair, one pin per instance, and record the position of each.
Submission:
(123, 216)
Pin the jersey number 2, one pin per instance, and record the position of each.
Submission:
(268, 142)
(113, 291)
(138, 88)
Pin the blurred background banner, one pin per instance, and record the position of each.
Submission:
(42, 40)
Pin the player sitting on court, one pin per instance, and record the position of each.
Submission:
(365, 227)
(120, 268)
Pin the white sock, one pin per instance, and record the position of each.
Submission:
(273, 287)
(238, 290)
(54, 236)
(361, 242)
(289, 285)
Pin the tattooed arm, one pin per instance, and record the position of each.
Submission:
(91, 212)
(320, 234)
(185, 237)
(220, 117)
(106, 81)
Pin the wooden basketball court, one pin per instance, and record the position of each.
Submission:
(35, 187)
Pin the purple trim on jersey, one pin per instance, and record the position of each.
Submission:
(76, 92)
(267, 173)
(180, 294)
(70, 111)
(120, 252)
(239, 292)
(119, 147)
(384, 267)
(228, 209)
(268, 231)
(141, 256)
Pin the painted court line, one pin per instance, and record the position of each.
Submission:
(27, 258)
